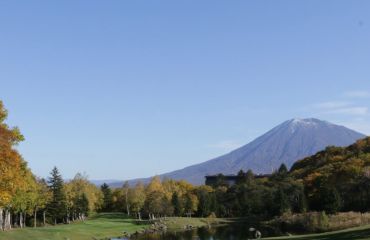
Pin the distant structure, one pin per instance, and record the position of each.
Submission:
(230, 180)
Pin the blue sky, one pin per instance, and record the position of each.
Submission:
(126, 89)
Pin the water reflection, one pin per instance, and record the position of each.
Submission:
(227, 232)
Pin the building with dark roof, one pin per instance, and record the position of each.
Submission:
(230, 180)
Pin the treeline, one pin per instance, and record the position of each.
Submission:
(28, 200)
(40, 202)
(250, 196)
(156, 199)
(334, 180)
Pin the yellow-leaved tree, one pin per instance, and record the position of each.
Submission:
(11, 167)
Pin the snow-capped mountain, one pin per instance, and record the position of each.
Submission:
(288, 142)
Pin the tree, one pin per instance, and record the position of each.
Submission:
(245, 177)
(153, 204)
(137, 199)
(191, 204)
(283, 170)
(42, 198)
(82, 205)
(126, 189)
(281, 201)
(107, 198)
(57, 207)
(206, 201)
(11, 164)
(221, 181)
(330, 199)
(177, 204)
(25, 197)
(118, 200)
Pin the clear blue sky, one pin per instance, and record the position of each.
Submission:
(125, 89)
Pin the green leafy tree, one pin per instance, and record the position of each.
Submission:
(82, 206)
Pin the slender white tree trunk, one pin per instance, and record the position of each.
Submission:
(7, 225)
(127, 205)
(1, 219)
(44, 217)
(20, 220)
(35, 218)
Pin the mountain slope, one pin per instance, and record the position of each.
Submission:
(288, 142)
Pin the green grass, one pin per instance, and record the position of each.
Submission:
(357, 233)
(98, 227)
(114, 224)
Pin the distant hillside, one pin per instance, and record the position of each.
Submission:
(288, 142)
(337, 163)
(338, 177)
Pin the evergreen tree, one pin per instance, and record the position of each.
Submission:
(57, 207)
(107, 198)
(177, 206)
(283, 170)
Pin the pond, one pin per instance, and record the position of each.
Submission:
(240, 231)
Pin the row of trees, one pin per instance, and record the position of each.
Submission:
(154, 200)
(39, 202)
(73, 200)
(265, 197)
(22, 195)
(249, 196)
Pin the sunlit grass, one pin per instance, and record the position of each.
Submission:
(98, 227)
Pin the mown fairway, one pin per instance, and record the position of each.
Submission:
(100, 226)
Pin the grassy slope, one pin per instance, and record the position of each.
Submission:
(100, 226)
(357, 233)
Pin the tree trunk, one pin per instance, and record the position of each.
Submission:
(1, 219)
(44, 217)
(20, 220)
(35, 218)
(68, 220)
(24, 219)
(127, 205)
(7, 225)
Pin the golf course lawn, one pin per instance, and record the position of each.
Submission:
(107, 225)
(100, 226)
(357, 233)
